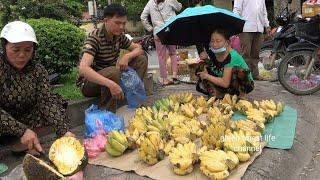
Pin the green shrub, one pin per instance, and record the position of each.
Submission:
(59, 44)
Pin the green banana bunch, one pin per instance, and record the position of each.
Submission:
(117, 143)
(163, 104)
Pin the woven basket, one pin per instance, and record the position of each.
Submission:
(183, 54)
(183, 68)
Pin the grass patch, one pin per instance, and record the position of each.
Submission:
(69, 90)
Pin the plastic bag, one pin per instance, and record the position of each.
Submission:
(95, 145)
(235, 43)
(97, 120)
(133, 88)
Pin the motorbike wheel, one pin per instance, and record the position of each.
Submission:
(291, 72)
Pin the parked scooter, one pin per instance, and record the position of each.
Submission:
(274, 50)
(299, 71)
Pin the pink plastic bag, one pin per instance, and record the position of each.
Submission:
(96, 144)
(235, 43)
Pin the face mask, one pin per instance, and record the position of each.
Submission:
(218, 50)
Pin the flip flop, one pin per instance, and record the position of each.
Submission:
(175, 81)
(168, 84)
(3, 168)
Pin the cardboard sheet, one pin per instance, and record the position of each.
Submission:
(163, 169)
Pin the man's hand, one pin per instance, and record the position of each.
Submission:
(203, 55)
(31, 140)
(122, 63)
(69, 134)
(116, 91)
(268, 31)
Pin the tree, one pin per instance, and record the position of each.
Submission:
(70, 10)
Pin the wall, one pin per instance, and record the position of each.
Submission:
(225, 4)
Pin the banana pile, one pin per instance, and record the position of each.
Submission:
(151, 147)
(173, 125)
(183, 157)
(117, 143)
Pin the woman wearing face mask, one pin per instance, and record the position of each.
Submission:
(225, 71)
(25, 100)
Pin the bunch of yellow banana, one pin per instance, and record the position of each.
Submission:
(176, 118)
(231, 100)
(248, 125)
(271, 108)
(159, 124)
(151, 147)
(237, 142)
(211, 101)
(226, 109)
(188, 110)
(215, 116)
(117, 143)
(256, 115)
(184, 97)
(183, 157)
(181, 133)
(139, 121)
(243, 106)
(214, 164)
(169, 145)
(212, 136)
(132, 138)
(195, 128)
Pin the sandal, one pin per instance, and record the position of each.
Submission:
(175, 81)
(259, 78)
(168, 84)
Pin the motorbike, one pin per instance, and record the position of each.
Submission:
(299, 70)
(274, 50)
(146, 41)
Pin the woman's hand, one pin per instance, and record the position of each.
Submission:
(203, 55)
(30, 139)
(203, 75)
(69, 134)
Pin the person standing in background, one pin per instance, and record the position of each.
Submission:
(160, 11)
(256, 17)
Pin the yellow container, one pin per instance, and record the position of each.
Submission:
(310, 10)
